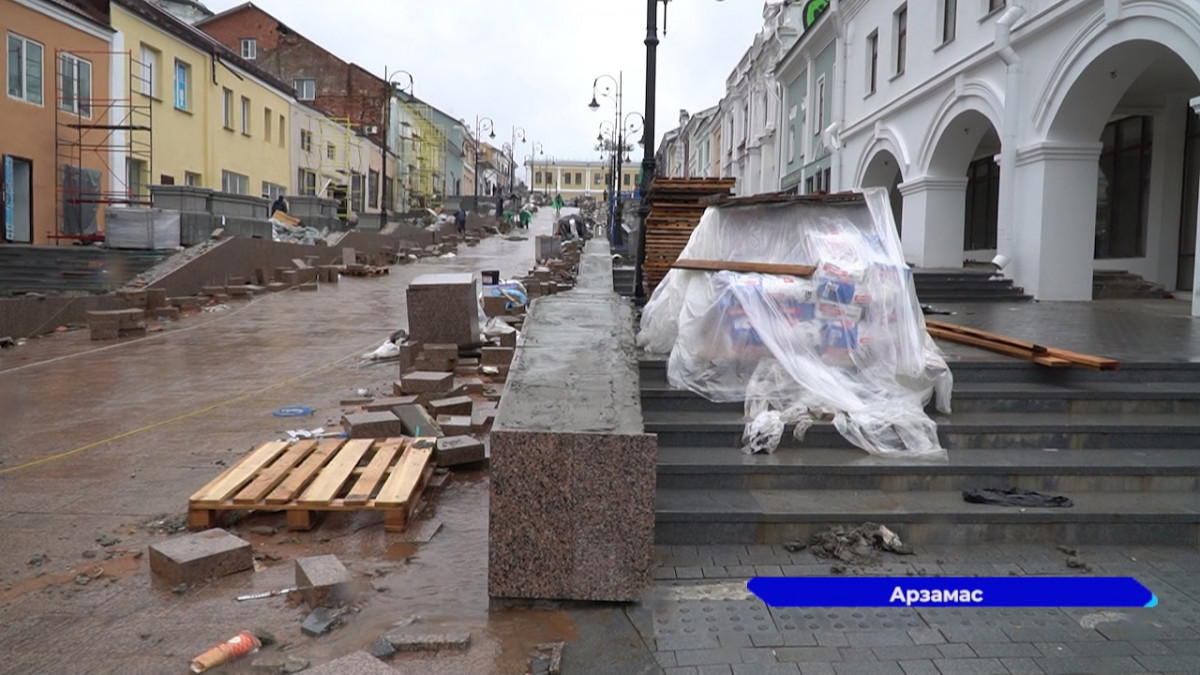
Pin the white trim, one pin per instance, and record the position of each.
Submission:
(932, 184)
(1050, 150)
(71, 19)
(24, 97)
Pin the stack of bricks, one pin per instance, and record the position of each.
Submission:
(117, 323)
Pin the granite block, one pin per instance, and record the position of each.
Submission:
(276, 286)
(410, 350)
(458, 405)
(426, 382)
(416, 421)
(456, 450)
(508, 339)
(291, 278)
(325, 580)
(441, 351)
(156, 297)
(496, 356)
(199, 556)
(433, 364)
(550, 537)
(386, 404)
(443, 308)
(454, 425)
(356, 663)
(372, 425)
(470, 385)
(308, 286)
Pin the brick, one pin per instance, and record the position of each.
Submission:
(457, 450)
(496, 356)
(156, 297)
(415, 421)
(291, 278)
(968, 666)
(495, 305)
(410, 350)
(425, 382)
(386, 404)
(328, 578)
(470, 385)
(276, 286)
(458, 405)
(429, 642)
(372, 425)
(454, 425)
(308, 286)
(357, 663)
(508, 339)
(201, 555)
(441, 351)
(483, 418)
(433, 364)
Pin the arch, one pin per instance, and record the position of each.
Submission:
(885, 171)
(883, 140)
(1167, 23)
(973, 96)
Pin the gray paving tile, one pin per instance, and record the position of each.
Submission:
(767, 669)
(800, 639)
(740, 571)
(715, 572)
(1152, 647)
(758, 655)
(1021, 666)
(1183, 663)
(956, 651)
(665, 659)
(880, 638)
(680, 671)
(1139, 631)
(926, 636)
(1056, 650)
(1009, 649)
(907, 653)
(816, 669)
(970, 667)
(670, 643)
(704, 657)
(1183, 646)
(1100, 665)
(689, 573)
(734, 639)
(868, 668)
(768, 640)
(922, 667)
(1053, 634)
(857, 654)
(768, 571)
(664, 573)
(1108, 648)
(714, 670)
(801, 654)
(973, 634)
(827, 638)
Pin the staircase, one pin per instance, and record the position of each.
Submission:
(965, 285)
(1113, 285)
(87, 269)
(1122, 444)
(624, 279)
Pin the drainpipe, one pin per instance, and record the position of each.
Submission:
(834, 131)
(1006, 217)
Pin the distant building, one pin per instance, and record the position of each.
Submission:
(188, 11)
(579, 178)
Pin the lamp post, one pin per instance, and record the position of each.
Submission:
(615, 96)
(481, 123)
(517, 132)
(388, 92)
(536, 149)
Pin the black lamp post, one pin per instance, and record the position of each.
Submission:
(517, 132)
(481, 123)
(389, 89)
(536, 150)
(614, 95)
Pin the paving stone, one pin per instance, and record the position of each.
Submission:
(1006, 649)
(758, 655)
(415, 421)
(768, 640)
(766, 669)
(386, 404)
(664, 573)
(856, 654)
(278, 664)
(1153, 647)
(201, 555)
(426, 382)
(307, 286)
(868, 668)
(383, 649)
(973, 634)
(816, 669)
(357, 663)
(740, 571)
(372, 425)
(444, 308)
(456, 450)
(458, 405)
(926, 636)
(689, 670)
(325, 579)
(799, 639)
(799, 654)
(956, 651)
(734, 638)
(1101, 665)
(831, 639)
(969, 666)
(714, 670)
(496, 356)
(882, 638)
(454, 425)
(700, 657)
(319, 621)
(1021, 666)
(908, 653)
(1136, 631)
(429, 642)
(1184, 663)
(714, 572)
(665, 659)
(919, 667)
(674, 643)
(689, 573)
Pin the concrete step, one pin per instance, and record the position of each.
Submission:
(1068, 471)
(731, 516)
(966, 430)
(997, 397)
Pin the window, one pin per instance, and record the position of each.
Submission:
(272, 191)
(996, 5)
(820, 116)
(183, 86)
(249, 49)
(267, 118)
(1123, 190)
(949, 19)
(307, 183)
(808, 185)
(872, 61)
(828, 184)
(982, 205)
(76, 93)
(234, 183)
(567, 178)
(537, 178)
(356, 192)
(24, 69)
(330, 151)
(227, 106)
(306, 88)
(135, 179)
(900, 18)
(245, 116)
(147, 69)
(626, 180)
(373, 189)
(282, 130)
(596, 179)
(578, 178)
(306, 140)
(191, 179)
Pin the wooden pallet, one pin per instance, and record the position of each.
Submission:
(363, 271)
(305, 478)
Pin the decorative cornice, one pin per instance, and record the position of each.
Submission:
(1052, 150)
(932, 184)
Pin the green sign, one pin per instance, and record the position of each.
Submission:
(813, 9)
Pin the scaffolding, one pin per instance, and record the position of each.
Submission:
(336, 174)
(425, 176)
(92, 134)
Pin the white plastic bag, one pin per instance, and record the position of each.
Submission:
(387, 350)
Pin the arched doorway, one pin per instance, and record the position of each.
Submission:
(966, 151)
(884, 171)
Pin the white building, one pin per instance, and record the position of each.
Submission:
(1062, 134)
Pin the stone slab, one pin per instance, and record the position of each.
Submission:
(426, 382)
(410, 350)
(308, 286)
(416, 421)
(433, 364)
(372, 425)
(201, 555)
(456, 450)
(470, 385)
(387, 404)
(441, 351)
(454, 425)
(443, 308)
(429, 642)
(458, 405)
(496, 356)
(325, 579)
(320, 620)
(509, 339)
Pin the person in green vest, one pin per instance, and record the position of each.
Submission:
(558, 204)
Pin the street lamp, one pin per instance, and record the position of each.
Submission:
(517, 132)
(389, 89)
(480, 124)
(536, 149)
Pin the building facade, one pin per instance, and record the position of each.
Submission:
(580, 178)
(808, 80)
(333, 160)
(58, 61)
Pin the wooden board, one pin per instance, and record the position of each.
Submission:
(331, 478)
(238, 475)
(985, 335)
(360, 493)
(398, 489)
(269, 478)
(999, 348)
(298, 479)
(737, 266)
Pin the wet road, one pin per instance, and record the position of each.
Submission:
(97, 440)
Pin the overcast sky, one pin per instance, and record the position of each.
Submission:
(531, 63)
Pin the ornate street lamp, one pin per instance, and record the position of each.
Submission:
(481, 124)
(389, 91)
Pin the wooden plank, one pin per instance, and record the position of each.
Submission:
(398, 519)
(370, 477)
(1000, 348)
(271, 476)
(331, 478)
(298, 479)
(986, 335)
(1085, 360)
(404, 479)
(738, 266)
(236, 476)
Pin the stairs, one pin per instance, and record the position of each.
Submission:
(1114, 285)
(624, 279)
(965, 285)
(87, 269)
(1124, 445)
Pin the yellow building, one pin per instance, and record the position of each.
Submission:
(218, 121)
(572, 178)
(334, 160)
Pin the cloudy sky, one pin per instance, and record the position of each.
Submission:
(531, 63)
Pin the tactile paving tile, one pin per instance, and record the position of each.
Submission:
(697, 617)
(839, 619)
(996, 617)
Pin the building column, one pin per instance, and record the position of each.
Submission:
(1195, 103)
(933, 221)
(1055, 220)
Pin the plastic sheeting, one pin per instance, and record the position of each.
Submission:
(847, 345)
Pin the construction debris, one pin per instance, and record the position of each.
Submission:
(1009, 346)
(860, 545)
(675, 210)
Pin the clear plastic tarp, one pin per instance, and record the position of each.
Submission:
(847, 345)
